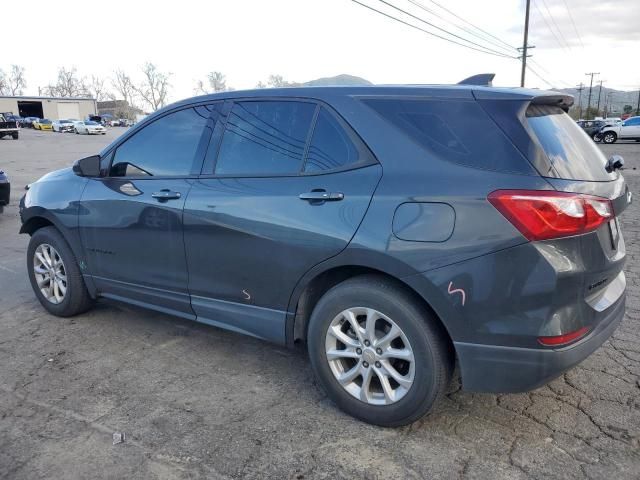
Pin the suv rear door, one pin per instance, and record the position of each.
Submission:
(285, 185)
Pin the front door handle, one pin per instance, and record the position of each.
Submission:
(322, 196)
(164, 195)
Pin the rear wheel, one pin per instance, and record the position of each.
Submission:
(55, 275)
(597, 137)
(377, 352)
(609, 137)
(15, 136)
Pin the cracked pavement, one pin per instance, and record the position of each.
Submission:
(196, 401)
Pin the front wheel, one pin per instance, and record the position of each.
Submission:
(15, 136)
(377, 352)
(55, 275)
(609, 137)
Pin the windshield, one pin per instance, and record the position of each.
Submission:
(571, 152)
(90, 123)
(45, 121)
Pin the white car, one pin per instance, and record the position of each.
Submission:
(61, 126)
(89, 127)
(627, 130)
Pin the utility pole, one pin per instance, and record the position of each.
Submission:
(590, 87)
(580, 88)
(599, 93)
(524, 43)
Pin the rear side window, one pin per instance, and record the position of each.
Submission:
(165, 147)
(572, 154)
(265, 138)
(455, 130)
(331, 147)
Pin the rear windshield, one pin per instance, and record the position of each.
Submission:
(457, 131)
(573, 155)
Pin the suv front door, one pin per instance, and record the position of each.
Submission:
(630, 128)
(131, 219)
(290, 186)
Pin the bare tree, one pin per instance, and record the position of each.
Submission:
(68, 84)
(154, 89)
(16, 81)
(97, 88)
(277, 81)
(4, 85)
(217, 82)
(124, 87)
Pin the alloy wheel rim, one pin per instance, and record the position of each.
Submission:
(50, 273)
(370, 356)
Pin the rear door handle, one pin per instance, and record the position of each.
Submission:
(164, 195)
(322, 196)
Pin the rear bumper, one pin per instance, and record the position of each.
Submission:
(500, 369)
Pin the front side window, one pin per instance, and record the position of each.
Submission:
(632, 122)
(330, 146)
(265, 138)
(166, 147)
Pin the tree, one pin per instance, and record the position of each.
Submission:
(627, 109)
(16, 81)
(154, 89)
(68, 84)
(97, 89)
(123, 85)
(217, 82)
(4, 85)
(279, 81)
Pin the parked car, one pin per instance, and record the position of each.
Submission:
(5, 191)
(89, 127)
(395, 230)
(592, 128)
(8, 128)
(62, 126)
(27, 122)
(627, 130)
(43, 124)
(613, 120)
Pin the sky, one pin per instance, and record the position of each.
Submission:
(248, 40)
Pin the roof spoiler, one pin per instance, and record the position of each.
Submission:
(556, 100)
(480, 80)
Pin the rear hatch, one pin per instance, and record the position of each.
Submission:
(571, 162)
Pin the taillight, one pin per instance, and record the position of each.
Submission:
(559, 340)
(545, 214)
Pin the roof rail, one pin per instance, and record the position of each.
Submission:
(481, 80)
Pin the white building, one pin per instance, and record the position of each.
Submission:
(53, 108)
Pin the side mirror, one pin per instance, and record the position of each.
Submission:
(614, 163)
(88, 166)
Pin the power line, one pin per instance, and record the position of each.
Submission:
(575, 29)
(464, 29)
(535, 4)
(549, 75)
(539, 76)
(544, 3)
(469, 23)
(497, 54)
(439, 28)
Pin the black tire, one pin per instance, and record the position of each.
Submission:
(429, 343)
(77, 299)
(609, 137)
(597, 137)
(76, 131)
(15, 136)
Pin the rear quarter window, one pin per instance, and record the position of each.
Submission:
(572, 154)
(458, 131)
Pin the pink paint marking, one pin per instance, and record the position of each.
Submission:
(457, 290)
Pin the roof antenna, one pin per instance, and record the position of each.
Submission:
(481, 80)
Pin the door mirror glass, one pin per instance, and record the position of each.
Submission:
(88, 166)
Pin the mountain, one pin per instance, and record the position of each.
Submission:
(616, 99)
(343, 79)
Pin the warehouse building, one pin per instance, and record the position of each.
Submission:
(53, 108)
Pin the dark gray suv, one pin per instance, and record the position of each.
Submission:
(395, 230)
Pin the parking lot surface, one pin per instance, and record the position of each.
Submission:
(195, 401)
